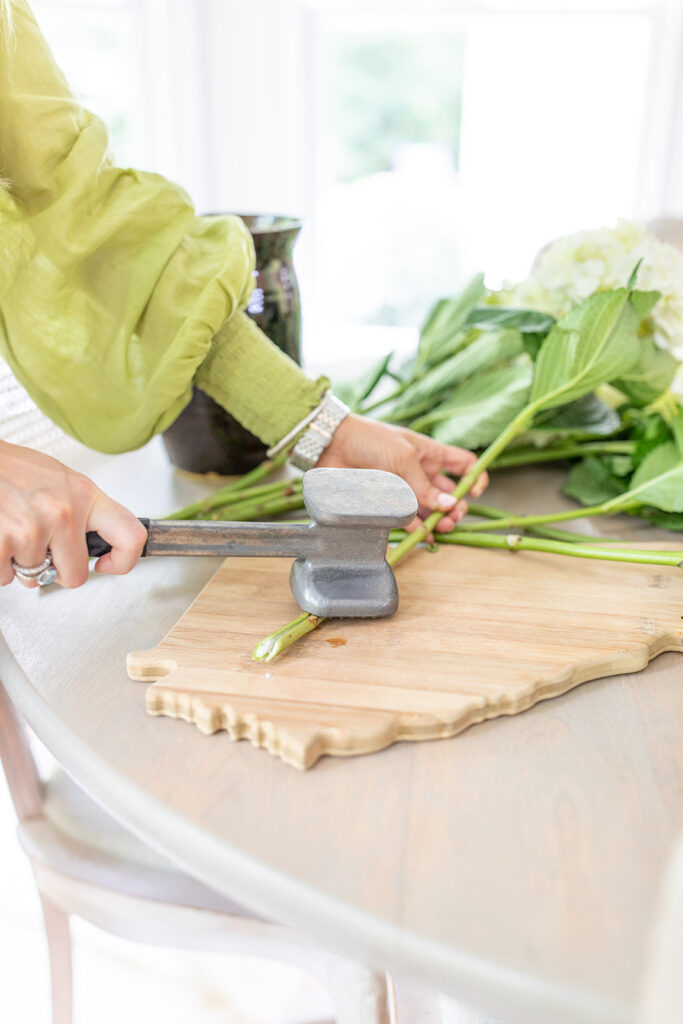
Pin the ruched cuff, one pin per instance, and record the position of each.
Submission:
(257, 383)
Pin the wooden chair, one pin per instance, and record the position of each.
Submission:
(87, 865)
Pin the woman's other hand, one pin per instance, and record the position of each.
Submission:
(45, 505)
(366, 444)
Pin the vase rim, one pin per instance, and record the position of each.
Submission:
(264, 223)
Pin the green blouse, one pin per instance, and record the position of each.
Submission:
(115, 298)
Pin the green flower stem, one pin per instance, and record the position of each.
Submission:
(283, 638)
(278, 641)
(488, 512)
(528, 456)
(520, 423)
(251, 494)
(224, 494)
(523, 522)
(517, 543)
(268, 506)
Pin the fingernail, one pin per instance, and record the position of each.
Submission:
(446, 500)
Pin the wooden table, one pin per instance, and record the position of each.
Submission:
(514, 867)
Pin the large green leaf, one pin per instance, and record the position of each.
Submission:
(650, 376)
(666, 520)
(526, 321)
(355, 392)
(590, 482)
(486, 351)
(648, 429)
(594, 343)
(445, 320)
(585, 418)
(676, 423)
(658, 481)
(644, 302)
(483, 406)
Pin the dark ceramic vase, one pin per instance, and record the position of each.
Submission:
(205, 438)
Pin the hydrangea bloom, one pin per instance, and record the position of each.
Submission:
(572, 268)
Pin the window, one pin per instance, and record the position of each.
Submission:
(421, 140)
(137, 64)
(96, 44)
(450, 143)
(389, 207)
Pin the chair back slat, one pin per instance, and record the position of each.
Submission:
(17, 761)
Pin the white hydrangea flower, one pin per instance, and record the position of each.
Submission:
(570, 269)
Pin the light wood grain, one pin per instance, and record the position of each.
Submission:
(479, 634)
(514, 868)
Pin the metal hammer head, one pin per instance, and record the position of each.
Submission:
(346, 573)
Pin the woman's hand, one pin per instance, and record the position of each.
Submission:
(43, 504)
(367, 444)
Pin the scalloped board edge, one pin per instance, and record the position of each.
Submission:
(478, 635)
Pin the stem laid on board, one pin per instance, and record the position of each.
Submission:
(260, 508)
(272, 645)
(514, 542)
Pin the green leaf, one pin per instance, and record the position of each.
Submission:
(631, 283)
(445, 320)
(532, 343)
(483, 406)
(346, 390)
(644, 301)
(593, 344)
(620, 465)
(650, 376)
(648, 430)
(658, 481)
(676, 424)
(590, 482)
(486, 351)
(526, 321)
(369, 381)
(665, 520)
(354, 393)
(583, 419)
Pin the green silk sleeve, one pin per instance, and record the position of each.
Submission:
(114, 296)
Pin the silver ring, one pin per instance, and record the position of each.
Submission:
(42, 574)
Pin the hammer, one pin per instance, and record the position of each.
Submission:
(340, 569)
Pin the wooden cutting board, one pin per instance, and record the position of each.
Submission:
(478, 634)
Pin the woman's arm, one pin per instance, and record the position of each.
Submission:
(115, 298)
(113, 293)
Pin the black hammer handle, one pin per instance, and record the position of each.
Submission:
(191, 537)
(98, 546)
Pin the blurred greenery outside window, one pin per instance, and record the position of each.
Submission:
(95, 44)
(443, 145)
(388, 214)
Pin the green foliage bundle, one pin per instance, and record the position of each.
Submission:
(591, 386)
